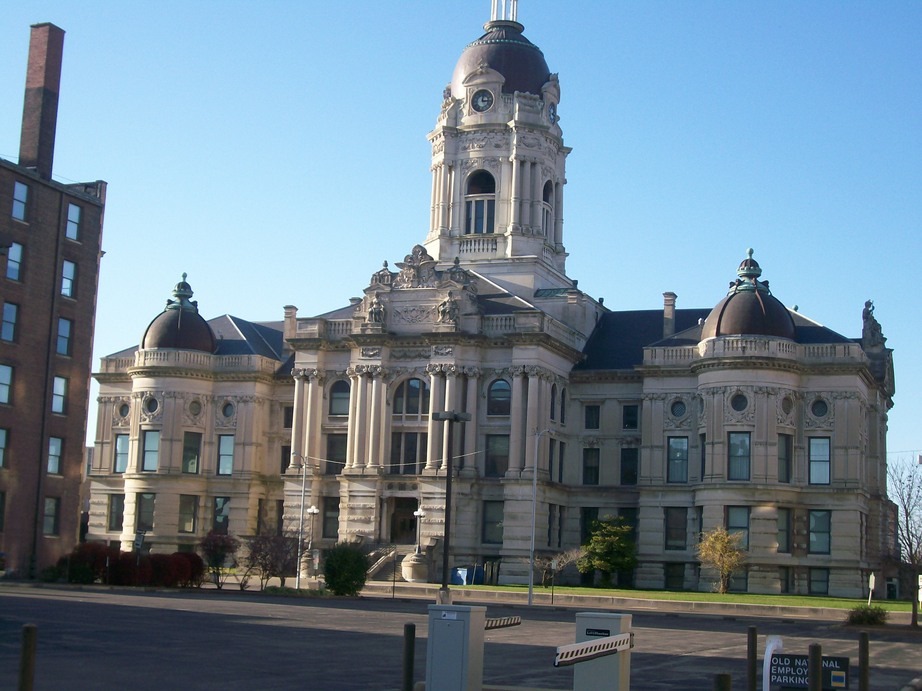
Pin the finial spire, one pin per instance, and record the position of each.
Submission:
(504, 9)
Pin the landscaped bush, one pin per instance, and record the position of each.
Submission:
(196, 569)
(129, 569)
(88, 561)
(345, 568)
(865, 615)
(163, 571)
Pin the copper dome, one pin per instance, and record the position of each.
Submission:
(180, 326)
(503, 48)
(749, 308)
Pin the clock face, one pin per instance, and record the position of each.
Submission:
(552, 113)
(482, 101)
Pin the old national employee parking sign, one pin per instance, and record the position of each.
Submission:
(790, 672)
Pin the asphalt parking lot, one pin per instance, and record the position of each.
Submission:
(118, 639)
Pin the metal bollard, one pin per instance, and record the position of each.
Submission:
(863, 662)
(409, 655)
(722, 682)
(27, 657)
(815, 667)
(752, 658)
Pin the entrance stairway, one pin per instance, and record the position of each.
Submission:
(385, 567)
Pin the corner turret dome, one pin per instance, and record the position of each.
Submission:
(180, 326)
(749, 308)
(504, 49)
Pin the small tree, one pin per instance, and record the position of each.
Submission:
(216, 550)
(272, 556)
(721, 551)
(345, 568)
(905, 480)
(544, 564)
(610, 549)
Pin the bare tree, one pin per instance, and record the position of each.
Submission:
(905, 480)
(556, 562)
(721, 550)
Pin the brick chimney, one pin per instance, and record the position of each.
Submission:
(669, 314)
(40, 109)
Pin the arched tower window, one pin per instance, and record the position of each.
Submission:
(499, 398)
(547, 210)
(480, 203)
(339, 398)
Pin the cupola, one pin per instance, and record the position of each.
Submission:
(180, 326)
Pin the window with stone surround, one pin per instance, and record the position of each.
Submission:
(492, 528)
(819, 457)
(676, 527)
(677, 462)
(480, 204)
(499, 397)
(738, 455)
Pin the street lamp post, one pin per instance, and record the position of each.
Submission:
(534, 509)
(300, 521)
(311, 511)
(448, 416)
(420, 515)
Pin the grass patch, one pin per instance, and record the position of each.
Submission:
(735, 598)
(292, 592)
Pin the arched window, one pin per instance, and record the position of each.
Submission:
(339, 398)
(499, 398)
(547, 210)
(553, 401)
(411, 398)
(479, 203)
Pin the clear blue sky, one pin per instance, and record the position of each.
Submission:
(276, 150)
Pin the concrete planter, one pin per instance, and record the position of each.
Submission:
(415, 568)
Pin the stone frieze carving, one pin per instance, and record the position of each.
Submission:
(442, 351)
(417, 314)
(371, 352)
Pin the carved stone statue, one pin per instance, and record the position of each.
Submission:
(449, 310)
(871, 333)
(376, 310)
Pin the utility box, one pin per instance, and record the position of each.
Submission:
(609, 672)
(454, 653)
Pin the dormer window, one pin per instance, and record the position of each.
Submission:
(480, 204)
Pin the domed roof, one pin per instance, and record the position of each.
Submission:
(749, 308)
(180, 326)
(503, 48)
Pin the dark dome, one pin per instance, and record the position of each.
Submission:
(179, 326)
(749, 308)
(504, 49)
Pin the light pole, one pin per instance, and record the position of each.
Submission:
(534, 509)
(449, 416)
(311, 511)
(420, 515)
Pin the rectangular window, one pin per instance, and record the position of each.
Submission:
(480, 213)
(786, 579)
(69, 279)
(6, 383)
(677, 465)
(592, 416)
(738, 522)
(280, 517)
(191, 452)
(14, 262)
(8, 326)
(20, 200)
(630, 416)
(820, 532)
(738, 455)
(629, 466)
(65, 329)
(552, 458)
(221, 515)
(59, 395)
(120, 462)
(116, 512)
(55, 452)
(336, 455)
(785, 457)
(784, 531)
(188, 508)
(150, 453)
(819, 460)
(285, 460)
(408, 453)
(591, 466)
(73, 222)
(739, 580)
(492, 530)
(225, 454)
(674, 576)
(496, 462)
(588, 515)
(331, 517)
(561, 455)
(145, 518)
(288, 416)
(51, 519)
(676, 527)
(4, 443)
(819, 581)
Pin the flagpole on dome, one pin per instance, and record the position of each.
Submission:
(499, 7)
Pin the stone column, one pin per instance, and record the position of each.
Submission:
(299, 418)
(558, 214)
(517, 422)
(444, 192)
(470, 428)
(361, 423)
(516, 193)
(351, 425)
(531, 415)
(525, 189)
(456, 220)
(434, 203)
(436, 402)
(375, 447)
(451, 376)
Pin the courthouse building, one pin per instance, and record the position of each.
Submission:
(743, 413)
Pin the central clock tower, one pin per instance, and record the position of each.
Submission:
(498, 163)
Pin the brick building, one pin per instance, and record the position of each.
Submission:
(50, 233)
